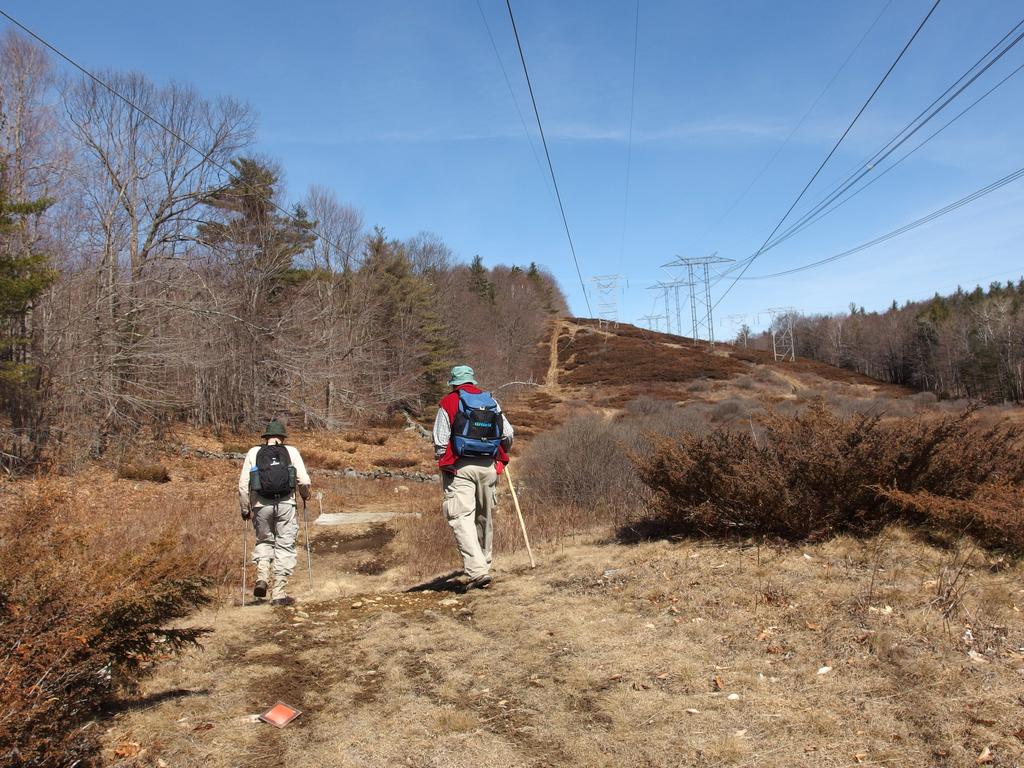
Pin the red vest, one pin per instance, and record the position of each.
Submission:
(450, 405)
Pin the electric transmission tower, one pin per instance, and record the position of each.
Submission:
(783, 346)
(670, 290)
(653, 321)
(607, 289)
(698, 273)
(665, 288)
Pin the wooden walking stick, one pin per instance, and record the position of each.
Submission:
(309, 554)
(519, 512)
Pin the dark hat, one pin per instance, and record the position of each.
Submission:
(275, 429)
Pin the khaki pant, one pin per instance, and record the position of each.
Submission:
(276, 528)
(470, 497)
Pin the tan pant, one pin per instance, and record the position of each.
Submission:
(470, 497)
(276, 530)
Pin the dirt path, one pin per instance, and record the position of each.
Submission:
(551, 377)
(659, 654)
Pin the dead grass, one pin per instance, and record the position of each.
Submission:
(398, 462)
(651, 655)
(150, 472)
(314, 457)
(366, 438)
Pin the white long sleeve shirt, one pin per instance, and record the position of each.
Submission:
(301, 475)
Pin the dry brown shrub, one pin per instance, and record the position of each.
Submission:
(815, 473)
(75, 628)
(317, 458)
(396, 462)
(365, 438)
(732, 410)
(649, 406)
(994, 516)
(580, 474)
(150, 472)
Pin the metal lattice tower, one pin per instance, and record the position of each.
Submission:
(607, 289)
(652, 321)
(699, 280)
(674, 286)
(783, 345)
(665, 288)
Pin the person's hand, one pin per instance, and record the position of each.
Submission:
(246, 513)
(304, 492)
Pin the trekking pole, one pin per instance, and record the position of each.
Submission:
(309, 555)
(519, 512)
(245, 554)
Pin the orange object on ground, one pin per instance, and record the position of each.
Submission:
(280, 715)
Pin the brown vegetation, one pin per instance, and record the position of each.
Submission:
(76, 627)
(397, 462)
(365, 438)
(151, 472)
(632, 355)
(314, 457)
(815, 474)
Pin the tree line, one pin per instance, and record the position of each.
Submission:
(143, 283)
(969, 344)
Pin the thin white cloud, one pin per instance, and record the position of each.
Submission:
(718, 128)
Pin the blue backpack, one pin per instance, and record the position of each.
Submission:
(478, 424)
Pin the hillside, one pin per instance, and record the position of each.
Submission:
(893, 649)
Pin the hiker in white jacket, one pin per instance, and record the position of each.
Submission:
(266, 495)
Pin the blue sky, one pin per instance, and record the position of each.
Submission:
(402, 109)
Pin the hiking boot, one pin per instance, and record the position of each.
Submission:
(286, 600)
(480, 582)
(260, 589)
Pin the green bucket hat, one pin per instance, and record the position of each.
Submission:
(461, 374)
(275, 429)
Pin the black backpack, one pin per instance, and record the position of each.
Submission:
(274, 472)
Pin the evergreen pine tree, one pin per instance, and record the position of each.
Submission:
(479, 283)
(24, 275)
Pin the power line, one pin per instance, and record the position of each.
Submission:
(547, 154)
(977, 194)
(881, 175)
(512, 93)
(832, 151)
(113, 91)
(812, 215)
(828, 204)
(800, 123)
(629, 139)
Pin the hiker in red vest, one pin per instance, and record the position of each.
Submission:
(472, 438)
